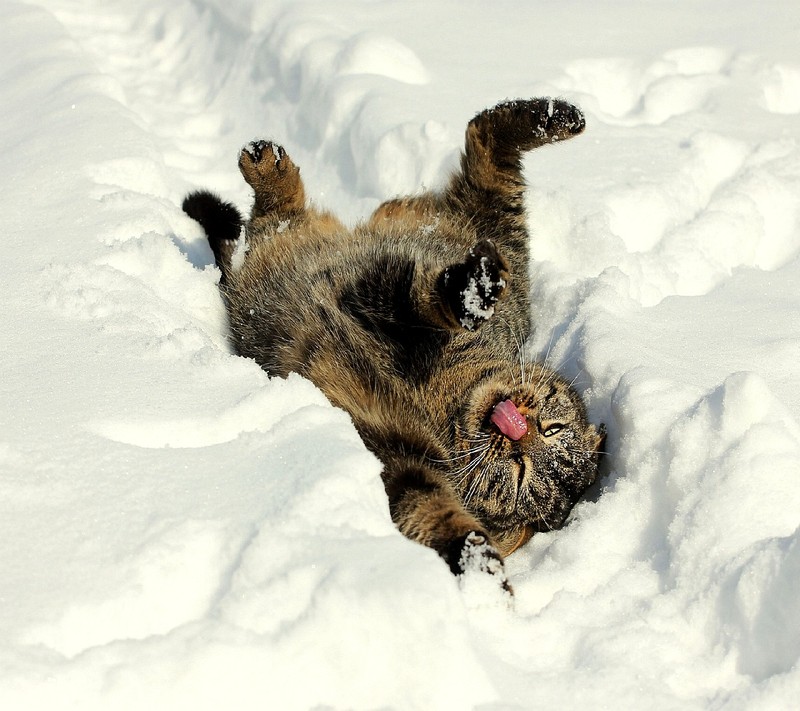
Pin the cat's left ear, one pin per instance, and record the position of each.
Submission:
(599, 434)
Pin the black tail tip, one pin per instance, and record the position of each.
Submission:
(220, 220)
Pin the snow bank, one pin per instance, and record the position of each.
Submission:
(180, 530)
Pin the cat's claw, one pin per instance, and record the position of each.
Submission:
(474, 554)
(473, 287)
(257, 151)
(275, 179)
(265, 162)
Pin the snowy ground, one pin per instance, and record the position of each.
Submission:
(179, 531)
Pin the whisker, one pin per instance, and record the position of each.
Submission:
(518, 343)
(467, 469)
(465, 453)
(549, 346)
(474, 487)
(545, 378)
(572, 382)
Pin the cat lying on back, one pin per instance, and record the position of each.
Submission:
(414, 323)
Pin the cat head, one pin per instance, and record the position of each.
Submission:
(527, 451)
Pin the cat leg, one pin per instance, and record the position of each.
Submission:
(490, 187)
(416, 296)
(275, 180)
(467, 292)
(428, 511)
(411, 212)
(280, 197)
(496, 139)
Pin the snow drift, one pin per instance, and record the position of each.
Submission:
(179, 530)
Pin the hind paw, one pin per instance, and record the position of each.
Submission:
(275, 179)
(264, 160)
(472, 288)
(559, 119)
(523, 124)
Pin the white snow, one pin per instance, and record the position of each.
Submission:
(475, 306)
(180, 531)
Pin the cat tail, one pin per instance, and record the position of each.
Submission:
(221, 222)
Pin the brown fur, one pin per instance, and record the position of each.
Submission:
(413, 322)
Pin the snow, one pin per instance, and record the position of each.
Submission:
(181, 531)
(477, 307)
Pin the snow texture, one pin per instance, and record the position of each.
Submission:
(181, 531)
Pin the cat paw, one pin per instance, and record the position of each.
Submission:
(263, 160)
(558, 119)
(473, 554)
(275, 179)
(523, 124)
(472, 288)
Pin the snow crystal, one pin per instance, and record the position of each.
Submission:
(474, 305)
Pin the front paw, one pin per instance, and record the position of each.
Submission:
(472, 553)
(472, 288)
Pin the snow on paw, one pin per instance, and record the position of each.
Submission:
(274, 177)
(478, 564)
(474, 287)
(523, 124)
(561, 120)
(263, 159)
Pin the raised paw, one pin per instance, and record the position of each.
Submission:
(523, 124)
(472, 288)
(275, 179)
(263, 160)
(473, 554)
(558, 119)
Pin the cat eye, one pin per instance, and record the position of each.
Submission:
(552, 428)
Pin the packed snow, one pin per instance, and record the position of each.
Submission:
(181, 531)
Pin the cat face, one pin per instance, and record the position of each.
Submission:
(528, 451)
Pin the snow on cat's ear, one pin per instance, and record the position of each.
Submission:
(599, 435)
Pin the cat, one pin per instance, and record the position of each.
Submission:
(414, 323)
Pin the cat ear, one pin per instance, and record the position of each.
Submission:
(599, 436)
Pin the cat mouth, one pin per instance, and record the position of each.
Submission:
(509, 420)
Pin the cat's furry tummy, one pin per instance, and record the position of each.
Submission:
(414, 323)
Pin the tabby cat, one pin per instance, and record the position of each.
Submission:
(414, 323)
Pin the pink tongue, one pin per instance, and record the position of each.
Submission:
(509, 420)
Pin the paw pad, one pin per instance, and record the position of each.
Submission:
(258, 151)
